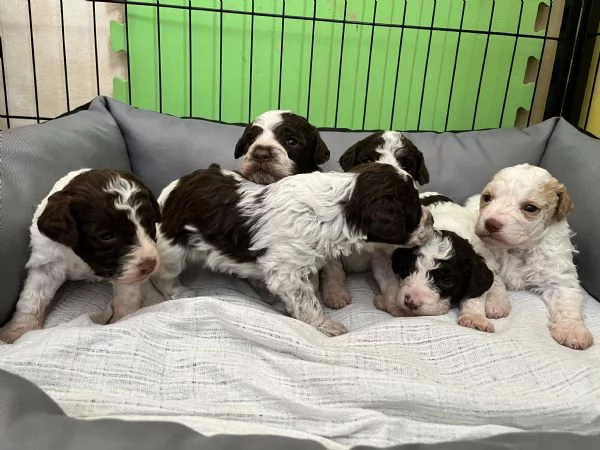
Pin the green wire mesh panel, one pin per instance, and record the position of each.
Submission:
(358, 64)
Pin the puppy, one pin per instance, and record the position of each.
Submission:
(444, 272)
(385, 147)
(95, 224)
(281, 234)
(278, 144)
(522, 220)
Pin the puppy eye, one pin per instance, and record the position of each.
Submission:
(446, 281)
(530, 208)
(486, 198)
(291, 141)
(106, 236)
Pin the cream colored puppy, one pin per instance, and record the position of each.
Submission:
(522, 221)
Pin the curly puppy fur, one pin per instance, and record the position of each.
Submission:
(521, 219)
(445, 271)
(281, 234)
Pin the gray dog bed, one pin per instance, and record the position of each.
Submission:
(225, 364)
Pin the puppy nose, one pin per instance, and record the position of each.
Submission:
(147, 266)
(493, 226)
(411, 303)
(262, 154)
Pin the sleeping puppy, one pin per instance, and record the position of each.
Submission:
(278, 144)
(281, 234)
(444, 272)
(521, 219)
(95, 224)
(384, 147)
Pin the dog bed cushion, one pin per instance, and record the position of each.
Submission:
(225, 362)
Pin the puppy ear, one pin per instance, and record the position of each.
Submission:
(243, 143)
(348, 159)
(57, 222)
(385, 224)
(565, 205)
(481, 278)
(321, 154)
(411, 159)
(403, 261)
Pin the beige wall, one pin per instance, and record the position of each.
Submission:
(79, 39)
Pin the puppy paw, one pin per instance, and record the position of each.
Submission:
(119, 313)
(574, 335)
(380, 302)
(180, 292)
(336, 297)
(14, 330)
(497, 306)
(331, 328)
(476, 322)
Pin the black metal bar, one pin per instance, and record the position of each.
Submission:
(589, 106)
(312, 51)
(537, 75)
(2, 67)
(159, 56)
(221, 60)
(569, 61)
(190, 58)
(281, 55)
(128, 57)
(64, 48)
(462, 19)
(251, 63)
(337, 99)
(487, 43)
(12, 116)
(512, 61)
(97, 66)
(369, 65)
(426, 66)
(35, 88)
(329, 20)
(398, 65)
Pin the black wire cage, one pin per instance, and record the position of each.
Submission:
(409, 64)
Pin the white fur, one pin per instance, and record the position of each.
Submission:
(52, 263)
(534, 252)
(301, 223)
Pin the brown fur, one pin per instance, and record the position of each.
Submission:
(384, 204)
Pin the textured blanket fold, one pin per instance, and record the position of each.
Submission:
(227, 362)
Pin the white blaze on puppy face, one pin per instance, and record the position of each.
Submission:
(518, 205)
(417, 294)
(266, 160)
(268, 121)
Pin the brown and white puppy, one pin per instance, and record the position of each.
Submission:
(384, 147)
(281, 234)
(446, 271)
(522, 221)
(278, 144)
(95, 224)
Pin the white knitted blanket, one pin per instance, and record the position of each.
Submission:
(225, 362)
